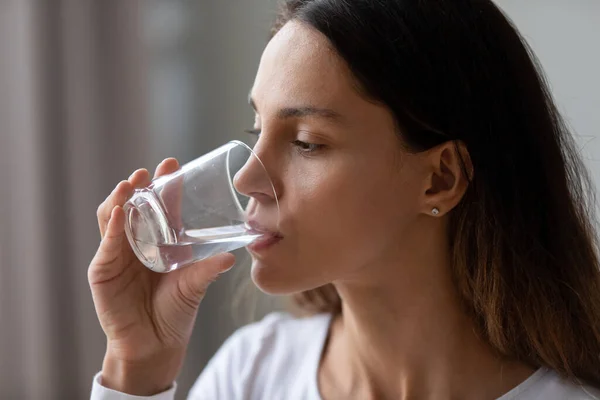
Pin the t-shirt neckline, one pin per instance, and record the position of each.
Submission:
(318, 354)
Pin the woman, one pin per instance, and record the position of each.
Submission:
(435, 219)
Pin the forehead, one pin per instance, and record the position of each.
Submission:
(300, 64)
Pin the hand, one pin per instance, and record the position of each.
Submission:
(147, 317)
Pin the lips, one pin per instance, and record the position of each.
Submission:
(256, 228)
(267, 239)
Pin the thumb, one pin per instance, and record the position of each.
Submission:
(107, 263)
(194, 280)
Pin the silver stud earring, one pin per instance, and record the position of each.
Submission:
(435, 211)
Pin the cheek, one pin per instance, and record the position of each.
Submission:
(345, 214)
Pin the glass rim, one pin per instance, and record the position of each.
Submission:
(234, 192)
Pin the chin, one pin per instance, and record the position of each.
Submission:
(277, 279)
(268, 279)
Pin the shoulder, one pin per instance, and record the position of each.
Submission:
(280, 329)
(567, 389)
(277, 336)
(262, 354)
(549, 385)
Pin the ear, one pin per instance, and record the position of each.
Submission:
(447, 181)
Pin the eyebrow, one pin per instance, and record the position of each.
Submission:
(304, 111)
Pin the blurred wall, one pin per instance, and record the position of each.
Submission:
(72, 120)
(565, 37)
(89, 91)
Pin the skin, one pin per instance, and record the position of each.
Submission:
(147, 317)
(355, 211)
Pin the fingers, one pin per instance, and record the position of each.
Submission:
(118, 197)
(140, 178)
(194, 280)
(167, 166)
(106, 264)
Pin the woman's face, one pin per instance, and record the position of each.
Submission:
(348, 193)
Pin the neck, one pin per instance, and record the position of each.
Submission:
(403, 334)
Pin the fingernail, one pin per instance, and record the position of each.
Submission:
(227, 269)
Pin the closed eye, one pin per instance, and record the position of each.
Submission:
(303, 147)
(306, 147)
(255, 132)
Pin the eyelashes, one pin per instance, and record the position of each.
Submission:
(307, 147)
(254, 132)
(302, 146)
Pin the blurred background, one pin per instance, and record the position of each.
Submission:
(90, 90)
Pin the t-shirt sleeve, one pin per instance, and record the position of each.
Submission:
(100, 392)
(232, 373)
(219, 380)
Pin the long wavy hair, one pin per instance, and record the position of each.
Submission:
(523, 238)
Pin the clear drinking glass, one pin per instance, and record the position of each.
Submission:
(197, 212)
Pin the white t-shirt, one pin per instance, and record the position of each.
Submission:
(278, 358)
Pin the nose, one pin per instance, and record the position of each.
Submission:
(254, 181)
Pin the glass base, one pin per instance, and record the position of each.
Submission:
(147, 228)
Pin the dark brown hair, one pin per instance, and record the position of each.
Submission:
(523, 241)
